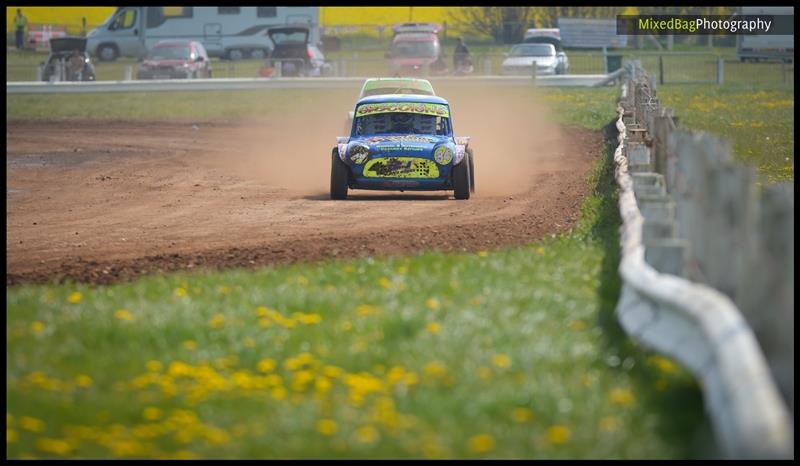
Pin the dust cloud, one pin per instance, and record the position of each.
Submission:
(513, 136)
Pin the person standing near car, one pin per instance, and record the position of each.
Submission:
(20, 23)
(460, 55)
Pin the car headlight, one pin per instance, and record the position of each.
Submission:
(443, 155)
(358, 153)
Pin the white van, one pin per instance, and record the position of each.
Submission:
(756, 47)
(228, 32)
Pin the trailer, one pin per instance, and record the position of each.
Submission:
(227, 32)
(756, 47)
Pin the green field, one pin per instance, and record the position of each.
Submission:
(510, 353)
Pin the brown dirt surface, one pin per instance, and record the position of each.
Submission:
(103, 202)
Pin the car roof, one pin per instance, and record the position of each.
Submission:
(416, 98)
(413, 83)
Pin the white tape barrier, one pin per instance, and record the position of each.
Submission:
(703, 329)
(218, 84)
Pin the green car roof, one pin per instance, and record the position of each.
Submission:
(393, 85)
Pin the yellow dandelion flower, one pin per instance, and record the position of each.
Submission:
(367, 434)
(621, 397)
(151, 413)
(322, 385)
(266, 365)
(216, 321)
(433, 327)
(434, 369)
(433, 304)
(190, 345)
(384, 283)
(483, 253)
(484, 373)
(411, 378)
(55, 446)
(402, 269)
(558, 434)
(250, 342)
(74, 298)
(501, 360)
(663, 364)
(180, 292)
(482, 443)
(609, 424)
(37, 326)
(540, 250)
(264, 323)
(522, 414)
(11, 435)
(365, 310)
(123, 314)
(279, 393)
(83, 381)
(327, 427)
(153, 366)
(332, 371)
(31, 424)
(223, 290)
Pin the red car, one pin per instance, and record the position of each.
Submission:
(175, 59)
(416, 49)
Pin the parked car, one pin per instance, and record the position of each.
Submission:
(549, 36)
(379, 86)
(519, 61)
(402, 142)
(294, 54)
(71, 53)
(416, 48)
(175, 59)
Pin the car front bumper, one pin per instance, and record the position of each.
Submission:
(163, 74)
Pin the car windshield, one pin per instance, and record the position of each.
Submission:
(533, 50)
(170, 53)
(402, 123)
(414, 49)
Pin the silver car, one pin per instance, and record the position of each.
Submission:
(520, 60)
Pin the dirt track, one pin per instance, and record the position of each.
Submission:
(107, 202)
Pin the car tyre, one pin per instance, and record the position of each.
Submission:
(258, 54)
(471, 170)
(235, 54)
(339, 175)
(107, 52)
(461, 180)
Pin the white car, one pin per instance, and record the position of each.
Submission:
(519, 61)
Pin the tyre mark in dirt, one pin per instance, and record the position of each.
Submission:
(149, 197)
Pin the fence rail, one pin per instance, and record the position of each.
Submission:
(683, 202)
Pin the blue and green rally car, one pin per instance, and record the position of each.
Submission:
(402, 142)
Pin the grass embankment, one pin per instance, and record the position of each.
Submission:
(759, 123)
(512, 353)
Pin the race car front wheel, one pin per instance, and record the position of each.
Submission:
(461, 180)
(338, 177)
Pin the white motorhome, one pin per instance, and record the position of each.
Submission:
(228, 32)
(755, 47)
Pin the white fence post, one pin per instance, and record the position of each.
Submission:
(720, 70)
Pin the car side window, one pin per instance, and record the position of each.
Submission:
(125, 20)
